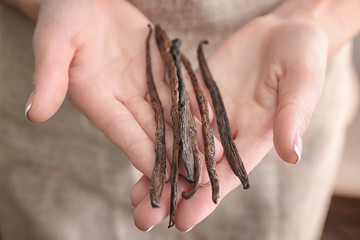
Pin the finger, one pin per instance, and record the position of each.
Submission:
(146, 216)
(144, 114)
(191, 212)
(119, 125)
(299, 93)
(140, 190)
(53, 54)
(252, 149)
(137, 123)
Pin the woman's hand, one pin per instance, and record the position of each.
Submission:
(270, 73)
(271, 76)
(95, 51)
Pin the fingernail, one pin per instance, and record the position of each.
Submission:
(29, 104)
(298, 145)
(149, 229)
(189, 229)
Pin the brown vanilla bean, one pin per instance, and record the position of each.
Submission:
(230, 149)
(188, 128)
(184, 108)
(207, 133)
(174, 181)
(187, 153)
(163, 45)
(187, 149)
(158, 175)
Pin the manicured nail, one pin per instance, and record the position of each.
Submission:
(298, 146)
(189, 229)
(29, 104)
(149, 229)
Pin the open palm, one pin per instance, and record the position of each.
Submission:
(271, 75)
(97, 56)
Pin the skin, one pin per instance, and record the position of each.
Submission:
(271, 77)
(102, 72)
(270, 95)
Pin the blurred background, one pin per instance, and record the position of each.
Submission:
(343, 221)
(348, 183)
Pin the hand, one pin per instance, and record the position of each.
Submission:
(95, 52)
(271, 76)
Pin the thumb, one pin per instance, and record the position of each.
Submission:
(53, 54)
(299, 93)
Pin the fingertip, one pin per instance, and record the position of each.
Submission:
(139, 190)
(28, 105)
(146, 228)
(44, 103)
(53, 53)
(145, 216)
(192, 211)
(151, 226)
(36, 113)
(298, 146)
(184, 230)
(287, 135)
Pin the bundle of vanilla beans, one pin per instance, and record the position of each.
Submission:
(185, 146)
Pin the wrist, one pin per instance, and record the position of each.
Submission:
(338, 20)
(28, 7)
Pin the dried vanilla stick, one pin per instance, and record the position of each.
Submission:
(158, 175)
(188, 127)
(164, 47)
(222, 120)
(207, 133)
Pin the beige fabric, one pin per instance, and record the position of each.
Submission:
(62, 180)
(193, 20)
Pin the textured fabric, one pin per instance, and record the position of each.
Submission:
(62, 180)
(193, 20)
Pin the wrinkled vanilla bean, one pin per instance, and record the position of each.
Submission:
(188, 155)
(164, 45)
(187, 120)
(206, 128)
(158, 175)
(188, 128)
(230, 149)
(207, 133)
